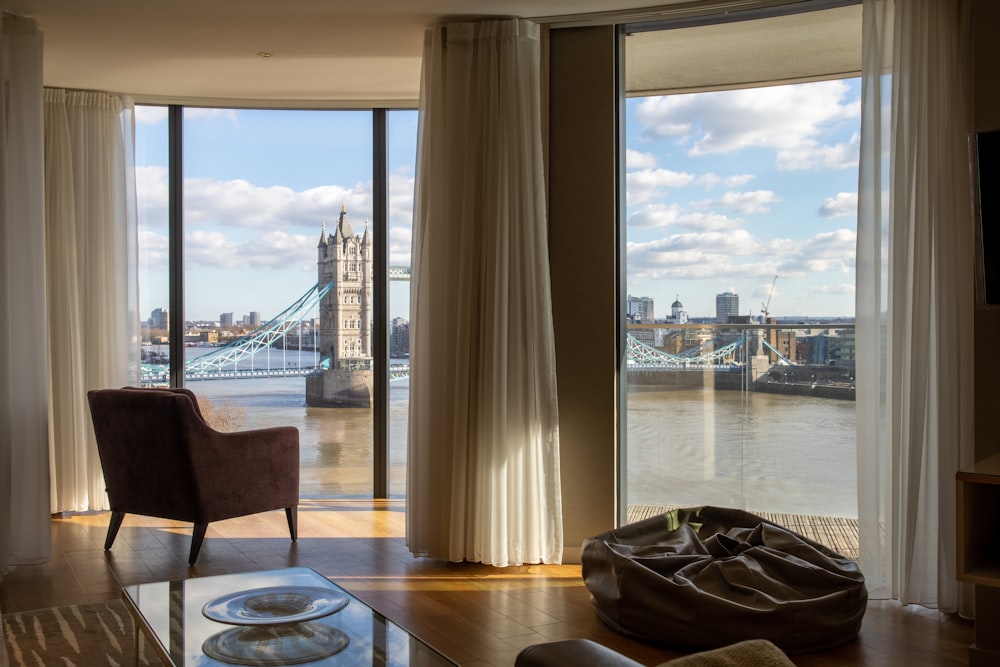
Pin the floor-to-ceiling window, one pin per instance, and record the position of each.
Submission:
(402, 135)
(152, 149)
(278, 259)
(740, 234)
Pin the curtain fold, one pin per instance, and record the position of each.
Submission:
(915, 273)
(91, 250)
(483, 450)
(24, 473)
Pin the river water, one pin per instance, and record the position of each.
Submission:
(761, 452)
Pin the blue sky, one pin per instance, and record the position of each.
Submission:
(258, 186)
(725, 191)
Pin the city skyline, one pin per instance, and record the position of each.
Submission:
(725, 191)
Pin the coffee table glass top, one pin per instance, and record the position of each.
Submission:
(329, 626)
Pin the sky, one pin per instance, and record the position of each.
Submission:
(742, 190)
(726, 191)
(258, 187)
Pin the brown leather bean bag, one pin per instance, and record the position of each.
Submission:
(707, 577)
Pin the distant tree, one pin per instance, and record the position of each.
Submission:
(225, 417)
(156, 334)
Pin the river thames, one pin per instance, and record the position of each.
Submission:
(761, 452)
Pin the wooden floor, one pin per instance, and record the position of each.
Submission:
(476, 615)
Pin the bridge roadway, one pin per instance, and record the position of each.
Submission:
(160, 374)
(230, 361)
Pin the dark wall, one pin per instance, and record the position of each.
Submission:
(986, 116)
(582, 175)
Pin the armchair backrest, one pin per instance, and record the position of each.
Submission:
(144, 440)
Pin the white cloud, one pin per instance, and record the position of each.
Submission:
(841, 205)
(284, 224)
(737, 254)
(837, 289)
(209, 249)
(151, 191)
(710, 221)
(739, 179)
(400, 239)
(826, 252)
(654, 215)
(789, 119)
(663, 215)
(646, 184)
(661, 178)
(764, 290)
(756, 201)
(272, 250)
(810, 155)
(401, 197)
(239, 203)
(700, 255)
(279, 250)
(146, 115)
(708, 180)
(154, 250)
(638, 160)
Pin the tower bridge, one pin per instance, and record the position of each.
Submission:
(339, 373)
(261, 354)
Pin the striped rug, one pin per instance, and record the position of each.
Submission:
(87, 635)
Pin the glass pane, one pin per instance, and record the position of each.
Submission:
(402, 127)
(741, 222)
(151, 150)
(277, 276)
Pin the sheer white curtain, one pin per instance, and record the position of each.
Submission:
(915, 296)
(91, 248)
(24, 462)
(483, 462)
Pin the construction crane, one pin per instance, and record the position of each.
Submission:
(764, 305)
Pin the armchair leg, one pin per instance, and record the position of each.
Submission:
(292, 514)
(197, 537)
(113, 526)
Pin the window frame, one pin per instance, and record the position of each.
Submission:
(380, 279)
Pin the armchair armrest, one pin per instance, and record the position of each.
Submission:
(245, 471)
(572, 652)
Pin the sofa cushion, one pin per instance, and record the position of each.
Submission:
(750, 653)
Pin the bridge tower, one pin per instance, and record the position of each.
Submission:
(345, 318)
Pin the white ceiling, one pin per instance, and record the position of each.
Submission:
(324, 52)
(780, 49)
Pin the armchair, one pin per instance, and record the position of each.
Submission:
(161, 459)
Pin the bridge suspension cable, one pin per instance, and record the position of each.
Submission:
(640, 353)
(230, 355)
(782, 359)
(263, 337)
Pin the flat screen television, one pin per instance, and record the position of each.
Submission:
(986, 181)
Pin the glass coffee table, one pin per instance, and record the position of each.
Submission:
(292, 616)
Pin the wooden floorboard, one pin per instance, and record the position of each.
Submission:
(478, 615)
